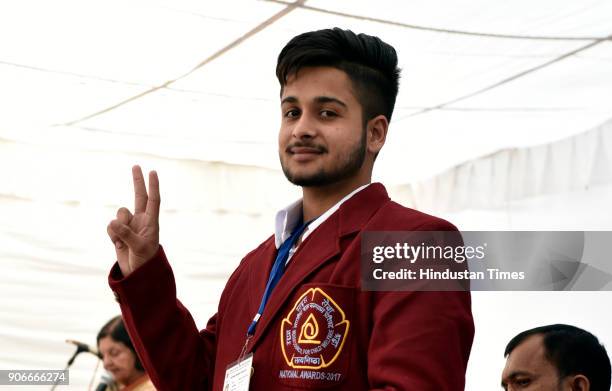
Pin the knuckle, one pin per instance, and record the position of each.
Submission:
(123, 230)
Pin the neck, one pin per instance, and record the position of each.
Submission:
(136, 376)
(317, 200)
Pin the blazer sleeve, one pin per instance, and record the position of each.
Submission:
(175, 355)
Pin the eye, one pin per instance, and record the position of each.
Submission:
(291, 113)
(328, 114)
(524, 382)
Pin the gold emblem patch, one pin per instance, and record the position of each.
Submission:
(313, 333)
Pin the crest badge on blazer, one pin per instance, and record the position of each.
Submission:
(314, 331)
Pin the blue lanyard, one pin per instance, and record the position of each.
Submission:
(277, 271)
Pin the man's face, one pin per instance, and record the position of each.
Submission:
(322, 139)
(528, 369)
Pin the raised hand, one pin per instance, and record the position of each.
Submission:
(136, 236)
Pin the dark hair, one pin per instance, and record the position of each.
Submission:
(572, 351)
(370, 64)
(115, 329)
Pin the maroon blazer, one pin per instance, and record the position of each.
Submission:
(319, 329)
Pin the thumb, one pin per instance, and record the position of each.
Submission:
(119, 245)
(125, 233)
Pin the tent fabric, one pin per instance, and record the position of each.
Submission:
(572, 164)
(487, 132)
(196, 79)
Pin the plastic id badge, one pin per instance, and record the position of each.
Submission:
(238, 374)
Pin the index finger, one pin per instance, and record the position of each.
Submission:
(140, 191)
(154, 198)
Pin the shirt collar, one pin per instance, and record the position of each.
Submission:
(288, 217)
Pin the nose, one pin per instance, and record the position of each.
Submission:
(106, 361)
(304, 127)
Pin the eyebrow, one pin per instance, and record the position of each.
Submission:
(318, 99)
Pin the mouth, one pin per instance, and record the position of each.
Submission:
(304, 152)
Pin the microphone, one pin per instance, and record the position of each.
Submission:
(105, 380)
(83, 347)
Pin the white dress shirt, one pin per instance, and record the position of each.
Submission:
(288, 217)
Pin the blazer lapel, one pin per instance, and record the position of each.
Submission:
(259, 272)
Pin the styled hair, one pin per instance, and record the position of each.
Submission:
(370, 64)
(573, 351)
(115, 328)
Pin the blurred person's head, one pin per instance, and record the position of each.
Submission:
(338, 91)
(556, 358)
(117, 352)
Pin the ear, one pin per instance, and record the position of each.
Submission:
(579, 383)
(376, 129)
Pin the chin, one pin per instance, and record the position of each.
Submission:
(300, 175)
(309, 180)
(120, 377)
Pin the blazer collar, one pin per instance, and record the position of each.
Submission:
(357, 210)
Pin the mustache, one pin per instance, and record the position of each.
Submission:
(303, 144)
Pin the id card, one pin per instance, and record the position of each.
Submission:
(238, 374)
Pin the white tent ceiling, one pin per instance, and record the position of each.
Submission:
(88, 88)
(196, 78)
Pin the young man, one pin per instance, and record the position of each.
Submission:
(295, 301)
(557, 357)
